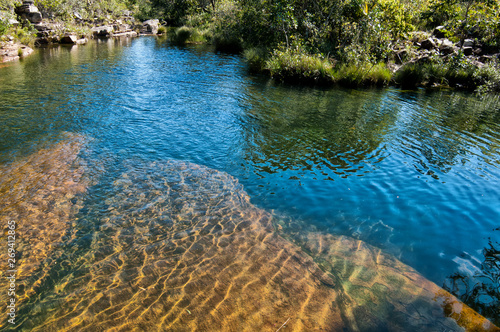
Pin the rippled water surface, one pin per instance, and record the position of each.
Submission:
(168, 187)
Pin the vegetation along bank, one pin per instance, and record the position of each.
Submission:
(430, 43)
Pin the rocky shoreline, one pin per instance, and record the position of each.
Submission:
(421, 50)
(55, 33)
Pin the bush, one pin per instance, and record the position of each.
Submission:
(227, 43)
(411, 75)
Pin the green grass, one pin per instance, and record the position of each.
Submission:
(297, 66)
(364, 74)
(188, 35)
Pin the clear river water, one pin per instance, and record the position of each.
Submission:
(130, 166)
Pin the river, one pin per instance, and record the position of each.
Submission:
(123, 147)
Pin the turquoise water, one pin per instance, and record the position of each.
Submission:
(413, 172)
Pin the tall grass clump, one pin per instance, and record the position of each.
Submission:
(256, 59)
(294, 65)
(181, 35)
(411, 75)
(363, 74)
(487, 78)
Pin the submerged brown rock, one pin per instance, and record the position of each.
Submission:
(179, 247)
(37, 193)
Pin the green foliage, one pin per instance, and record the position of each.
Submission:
(479, 19)
(457, 72)
(89, 10)
(174, 12)
(4, 26)
(9, 5)
(162, 30)
(24, 35)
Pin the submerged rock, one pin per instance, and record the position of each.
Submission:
(40, 194)
(179, 247)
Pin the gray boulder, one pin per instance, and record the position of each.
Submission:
(103, 31)
(29, 12)
(150, 27)
(468, 43)
(15, 23)
(446, 47)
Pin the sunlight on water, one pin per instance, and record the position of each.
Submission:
(178, 246)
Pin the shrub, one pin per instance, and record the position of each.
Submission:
(410, 75)
(227, 42)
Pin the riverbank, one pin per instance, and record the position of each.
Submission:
(24, 27)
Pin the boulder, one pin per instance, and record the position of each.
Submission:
(468, 43)
(485, 58)
(120, 28)
(439, 32)
(103, 31)
(82, 41)
(29, 12)
(42, 41)
(446, 47)
(150, 27)
(428, 44)
(69, 39)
